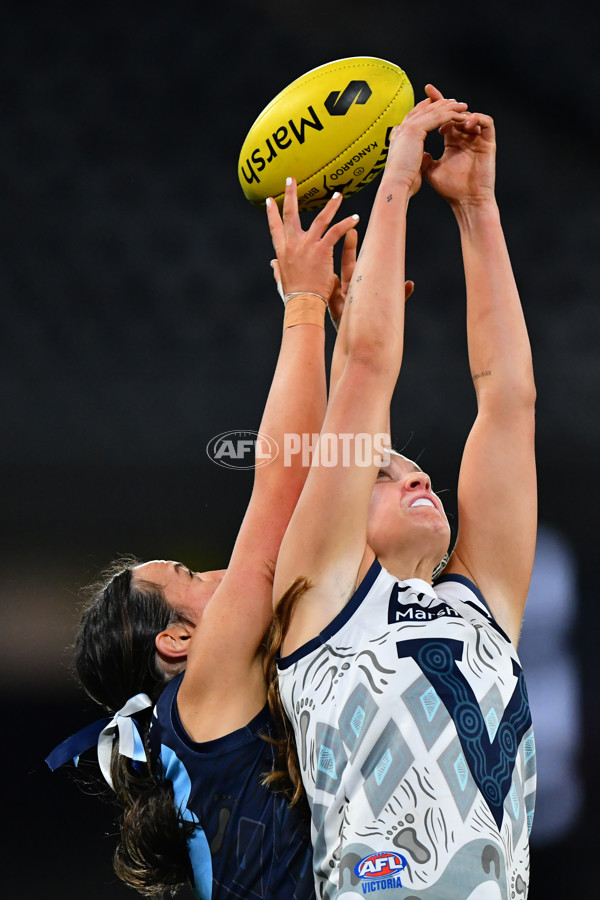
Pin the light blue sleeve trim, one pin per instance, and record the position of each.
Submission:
(198, 849)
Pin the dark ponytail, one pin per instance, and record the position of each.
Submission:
(152, 856)
(115, 659)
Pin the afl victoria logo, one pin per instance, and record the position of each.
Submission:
(338, 104)
(242, 449)
(378, 865)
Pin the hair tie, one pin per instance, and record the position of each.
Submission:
(103, 733)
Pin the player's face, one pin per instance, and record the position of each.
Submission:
(404, 511)
(185, 591)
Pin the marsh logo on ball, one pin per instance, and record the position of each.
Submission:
(338, 104)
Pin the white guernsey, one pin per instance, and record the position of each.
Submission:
(416, 745)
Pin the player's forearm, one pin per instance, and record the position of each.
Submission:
(296, 402)
(372, 328)
(338, 361)
(498, 343)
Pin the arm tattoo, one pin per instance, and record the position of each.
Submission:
(482, 374)
(389, 197)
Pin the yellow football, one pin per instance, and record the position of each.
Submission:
(329, 130)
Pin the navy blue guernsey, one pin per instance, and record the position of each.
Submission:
(248, 843)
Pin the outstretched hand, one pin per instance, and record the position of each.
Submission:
(305, 258)
(465, 173)
(405, 154)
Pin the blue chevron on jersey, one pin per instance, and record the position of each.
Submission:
(491, 758)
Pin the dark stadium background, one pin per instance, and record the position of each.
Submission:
(138, 320)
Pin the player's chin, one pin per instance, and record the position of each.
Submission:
(433, 521)
(427, 513)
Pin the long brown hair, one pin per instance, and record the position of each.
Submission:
(286, 776)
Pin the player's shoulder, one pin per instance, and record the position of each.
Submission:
(456, 587)
(455, 584)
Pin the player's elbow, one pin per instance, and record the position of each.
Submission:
(375, 352)
(367, 374)
(521, 393)
(512, 409)
(512, 390)
(525, 392)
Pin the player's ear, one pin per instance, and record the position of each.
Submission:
(173, 643)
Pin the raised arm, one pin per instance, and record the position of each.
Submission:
(338, 300)
(497, 496)
(327, 536)
(239, 612)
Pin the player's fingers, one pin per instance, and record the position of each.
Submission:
(429, 107)
(474, 123)
(480, 124)
(290, 204)
(323, 220)
(349, 257)
(468, 126)
(481, 119)
(439, 113)
(340, 229)
(433, 93)
(275, 223)
(418, 107)
(442, 111)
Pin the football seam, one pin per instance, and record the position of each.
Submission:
(349, 147)
(302, 78)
